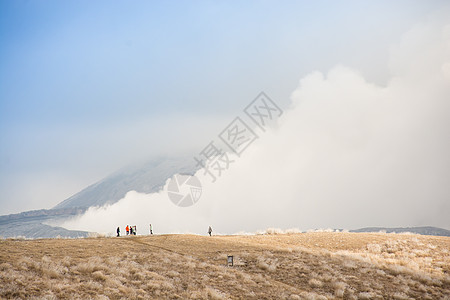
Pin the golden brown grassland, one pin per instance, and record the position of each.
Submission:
(317, 265)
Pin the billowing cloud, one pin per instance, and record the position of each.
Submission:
(346, 154)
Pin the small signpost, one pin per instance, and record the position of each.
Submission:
(230, 260)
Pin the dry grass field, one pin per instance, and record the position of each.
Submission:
(317, 265)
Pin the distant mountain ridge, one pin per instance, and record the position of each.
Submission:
(40, 214)
(425, 230)
(31, 224)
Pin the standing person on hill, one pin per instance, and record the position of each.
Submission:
(128, 230)
(209, 230)
(118, 231)
(151, 229)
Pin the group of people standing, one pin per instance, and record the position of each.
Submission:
(131, 230)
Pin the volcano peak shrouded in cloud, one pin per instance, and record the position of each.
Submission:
(346, 154)
(86, 90)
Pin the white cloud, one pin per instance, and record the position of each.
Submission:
(346, 154)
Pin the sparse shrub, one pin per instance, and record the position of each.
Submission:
(214, 294)
(374, 248)
(400, 296)
(312, 296)
(99, 276)
(349, 263)
(95, 235)
(339, 288)
(66, 261)
(50, 272)
(367, 295)
(274, 231)
(5, 266)
(267, 264)
(173, 273)
(315, 283)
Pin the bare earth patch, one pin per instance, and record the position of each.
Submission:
(318, 265)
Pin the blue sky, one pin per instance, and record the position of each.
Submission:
(87, 87)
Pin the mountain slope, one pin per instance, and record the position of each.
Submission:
(147, 178)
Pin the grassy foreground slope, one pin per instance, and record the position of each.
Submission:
(320, 265)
